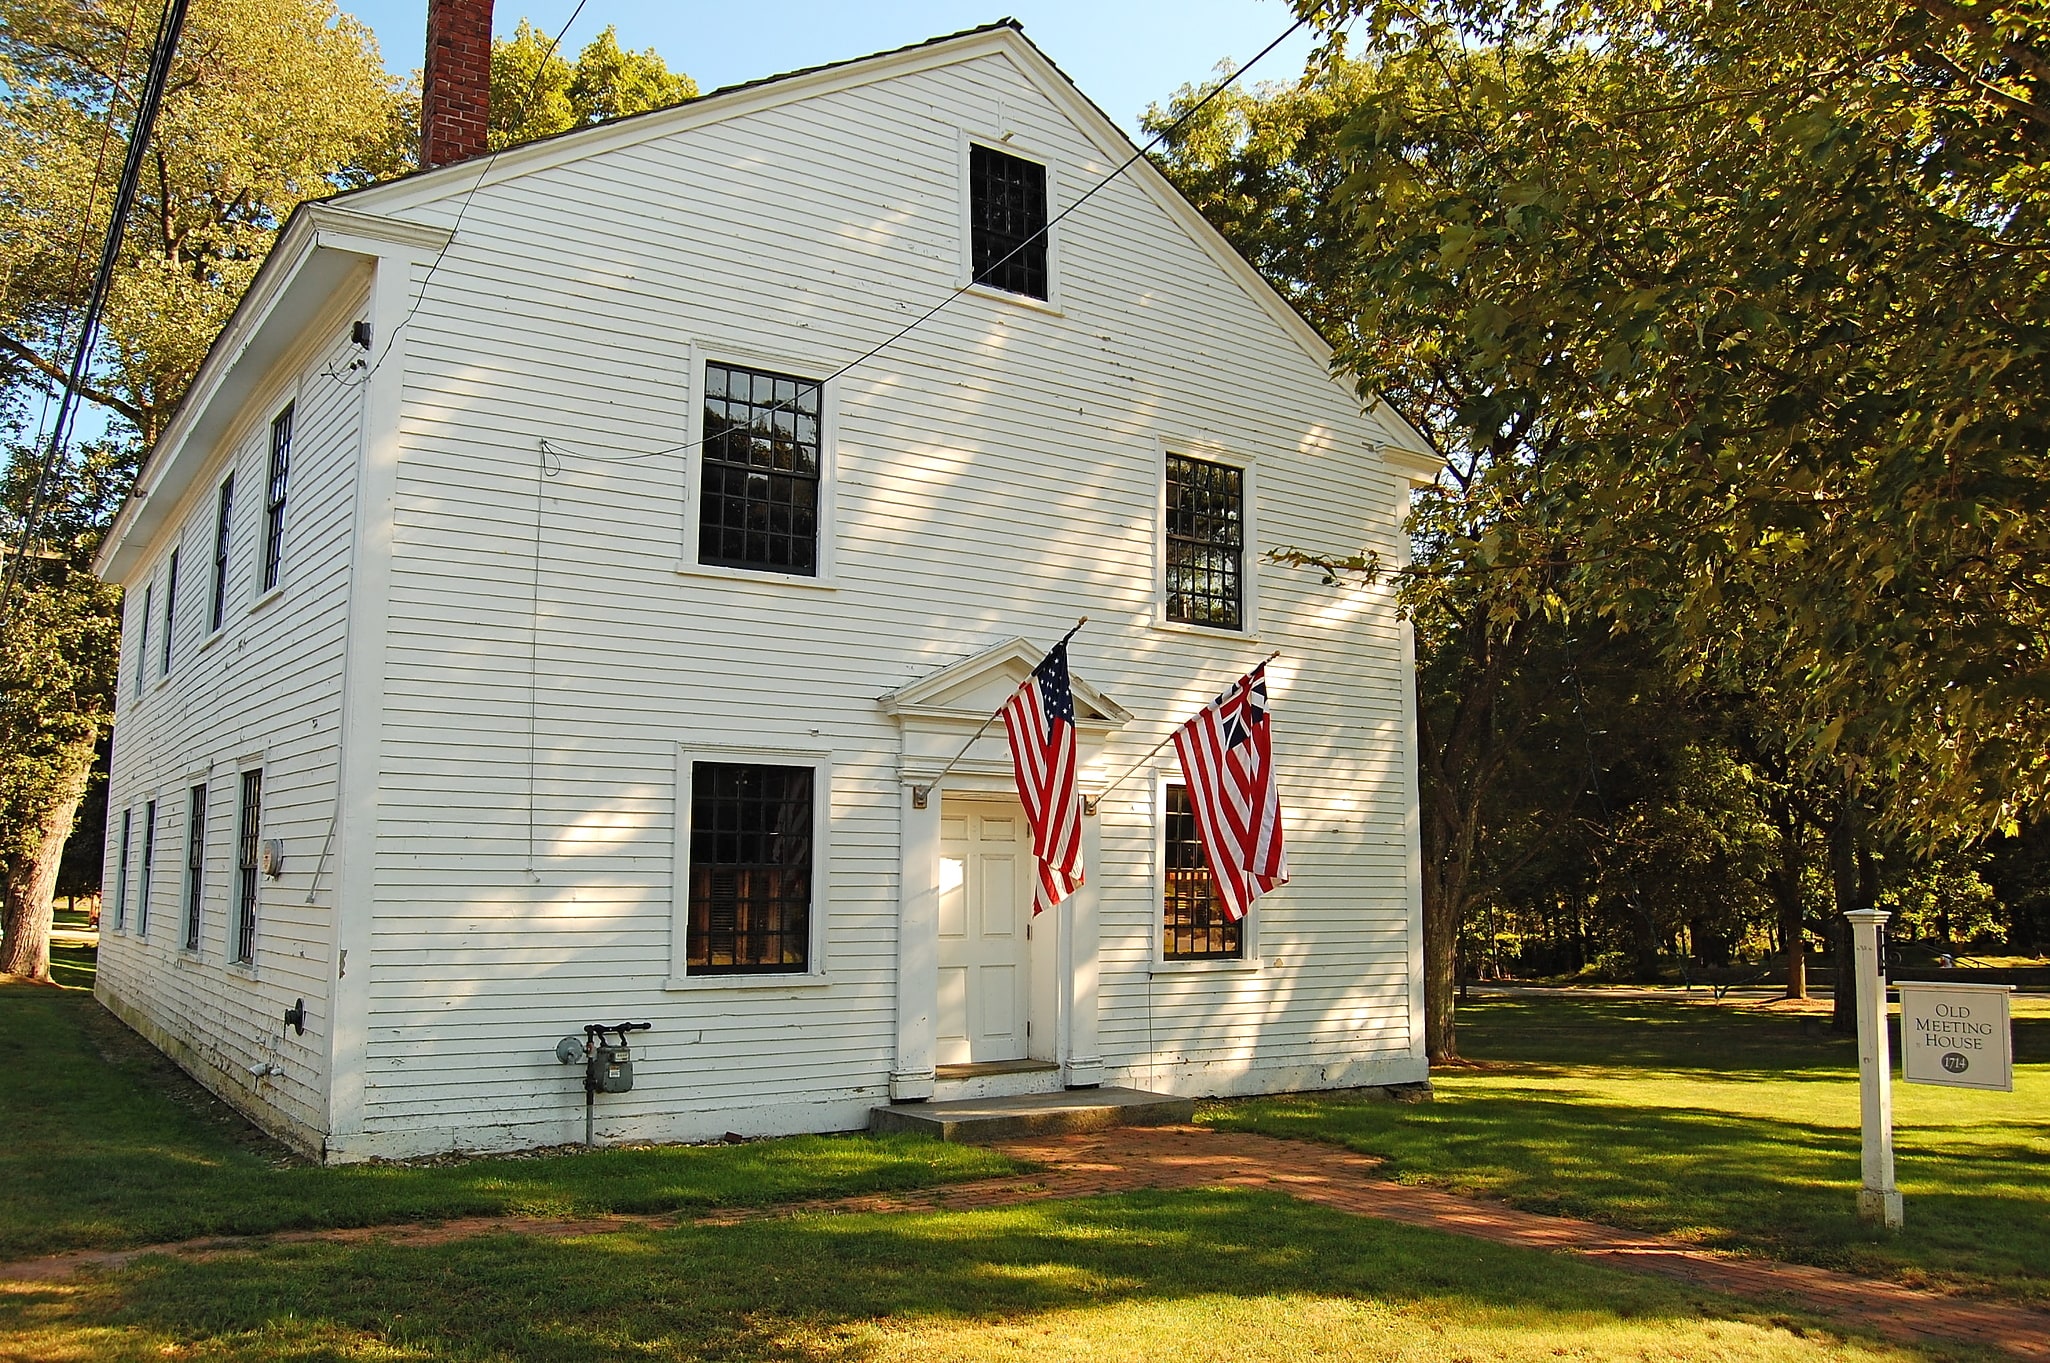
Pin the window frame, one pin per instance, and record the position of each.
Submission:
(1248, 627)
(688, 755)
(149, 606)
(1248, 960)
(248, 863)
(1009, 144)
(270, 565)
(148, 870)
(121, 870)
(170, 614)
(194, 882)
(224, 545)
(826, 557)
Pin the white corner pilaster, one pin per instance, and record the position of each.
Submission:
(1081, 946)
(918, 949)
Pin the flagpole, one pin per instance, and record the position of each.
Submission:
(1089, 802)
(921, 795)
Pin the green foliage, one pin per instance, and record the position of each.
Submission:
(270, 103)
(536, 93)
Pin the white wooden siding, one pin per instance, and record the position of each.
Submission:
(997, 476)
(263, 690)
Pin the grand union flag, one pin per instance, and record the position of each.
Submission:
(1227, 754)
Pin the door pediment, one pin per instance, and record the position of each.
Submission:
(971, 690)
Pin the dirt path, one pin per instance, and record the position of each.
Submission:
(1126, 1160)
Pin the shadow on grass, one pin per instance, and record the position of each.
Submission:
(860, 1288)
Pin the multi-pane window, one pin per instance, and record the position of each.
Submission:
(149, 864)
(1007, 221)
(121, 872)
(224, 521)
(170, 613)
(195, 864)
(761, 471)
(274, 496)
(245, 866)
(142, 642)
(1195, 926)
(1206, 524)
(750, 868)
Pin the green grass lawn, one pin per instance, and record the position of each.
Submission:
(104, 1143)
(1731, 1126)
(1156, 1276)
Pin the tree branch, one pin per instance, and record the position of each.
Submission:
(50, 371)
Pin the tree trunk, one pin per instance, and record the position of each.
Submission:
(30, 889)
(1443, 911)
(1785, 881)
(1855, 886)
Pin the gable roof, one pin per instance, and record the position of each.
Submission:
(1006, 36)
(384, 205)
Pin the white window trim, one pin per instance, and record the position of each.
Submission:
(814, 974)
(146, 864)
(802, 366)
(248, 762)
(122, 857)
(1249, 557)
(1249, 961)
(1007, 142)
(224, 567)
(196, 949)
(276, 407)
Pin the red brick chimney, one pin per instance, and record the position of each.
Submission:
(455, 103)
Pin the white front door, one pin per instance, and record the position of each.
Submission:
(985, 907)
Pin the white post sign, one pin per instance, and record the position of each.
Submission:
(1957, 1034)
(1880, 1198)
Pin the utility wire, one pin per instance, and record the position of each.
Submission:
(551, 450)
(169, 26)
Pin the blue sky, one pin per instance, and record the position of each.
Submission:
(1124, 54)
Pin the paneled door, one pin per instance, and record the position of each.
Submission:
(985, 909)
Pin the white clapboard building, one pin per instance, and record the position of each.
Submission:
(519, 636)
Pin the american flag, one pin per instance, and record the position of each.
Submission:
(1040, 720)
(1227, 754)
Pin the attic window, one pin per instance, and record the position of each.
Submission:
(1007, 221)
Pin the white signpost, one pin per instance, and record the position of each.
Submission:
(1957, 1034)
(1880, 1198)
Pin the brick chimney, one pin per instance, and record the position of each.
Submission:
(455, 103)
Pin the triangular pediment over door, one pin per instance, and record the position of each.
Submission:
(939, 711)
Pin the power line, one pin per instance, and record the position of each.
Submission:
(169, 26)
(550, 450)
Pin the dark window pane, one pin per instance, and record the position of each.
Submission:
(750, 869)
(245, 866)
(274, 496)
(1195, 926)
(1205, 542)
(760, 481)
(195, 864)
(1007, 221)
(224, 521)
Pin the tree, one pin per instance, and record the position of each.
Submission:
(536, 93)
(269, 103)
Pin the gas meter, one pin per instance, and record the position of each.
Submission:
(608, 1062)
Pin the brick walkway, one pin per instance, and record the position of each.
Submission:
(1096, 1163)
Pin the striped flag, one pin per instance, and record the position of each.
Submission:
(1040, 721)
(1227, 754)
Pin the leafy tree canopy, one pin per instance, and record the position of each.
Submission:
(536, 92)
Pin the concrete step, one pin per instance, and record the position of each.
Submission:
(1034, 1114)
